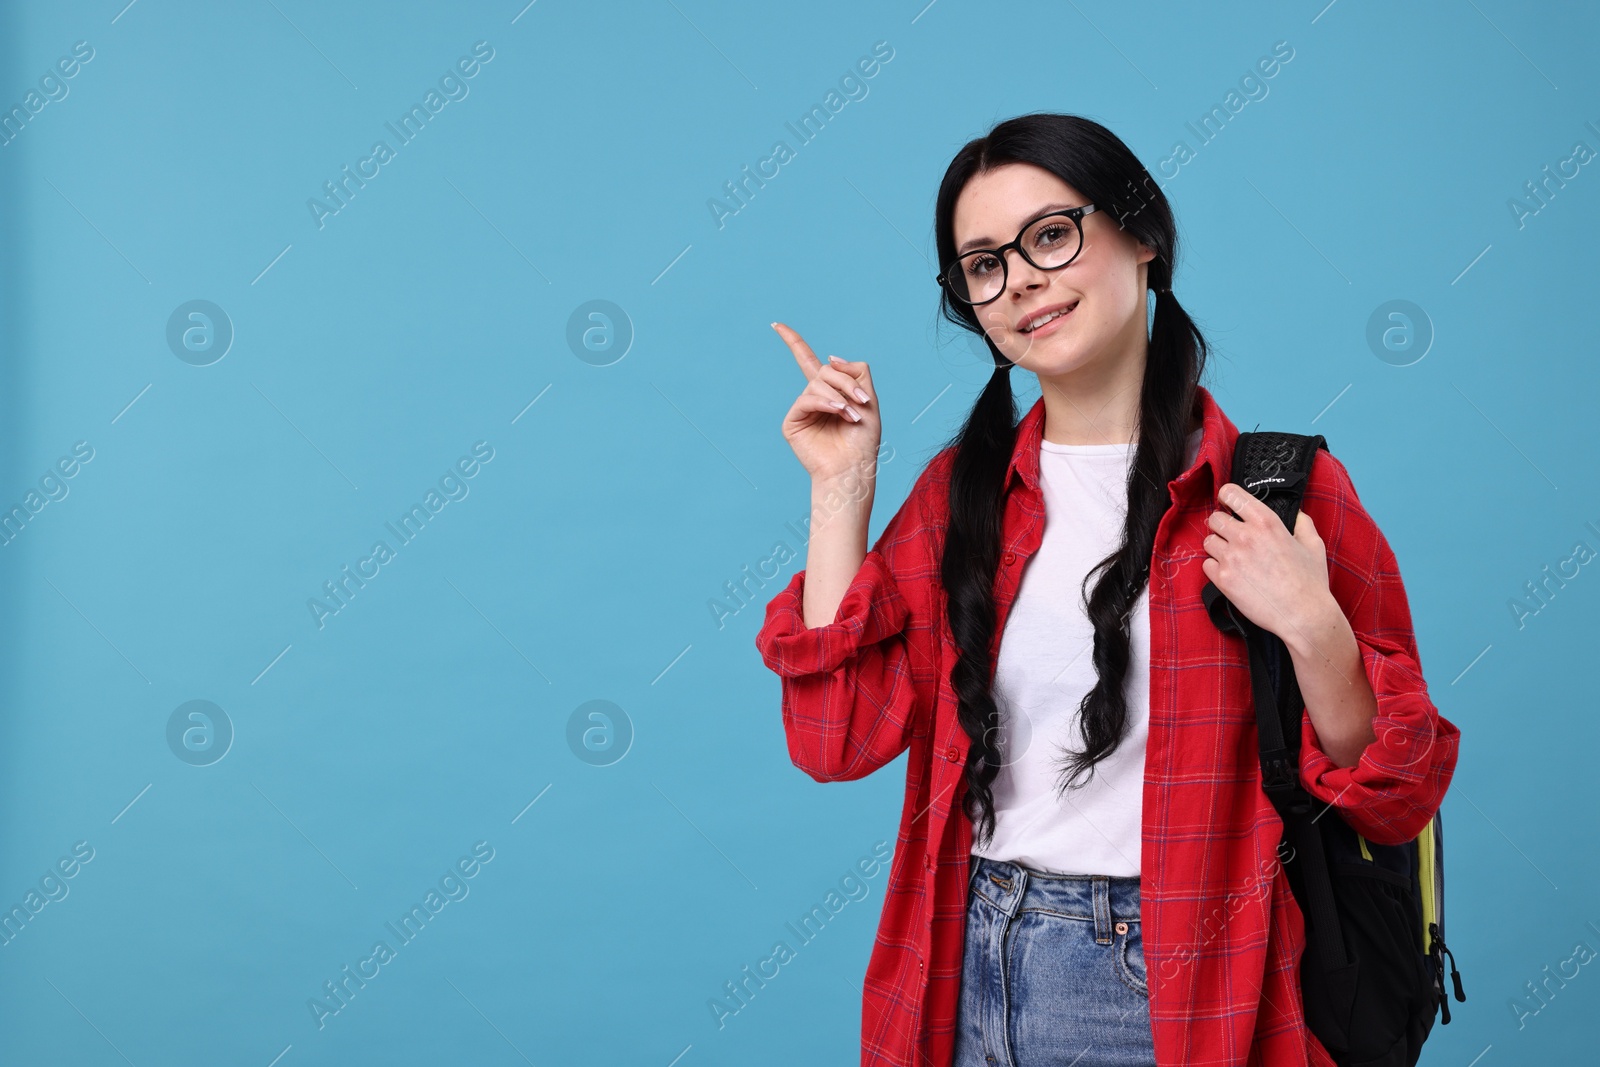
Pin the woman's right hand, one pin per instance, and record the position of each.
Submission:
(833, 431)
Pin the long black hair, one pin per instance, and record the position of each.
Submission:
(1092, 160)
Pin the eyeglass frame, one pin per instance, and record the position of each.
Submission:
(1076, 214)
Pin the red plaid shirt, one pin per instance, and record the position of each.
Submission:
(1222, 932)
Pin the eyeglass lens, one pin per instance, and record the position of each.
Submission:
(1050, 242)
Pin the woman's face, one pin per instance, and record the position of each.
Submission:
(1106, 282)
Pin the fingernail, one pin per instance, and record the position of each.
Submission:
(861, 395)
(774, 325)
(853, 414)
(834, 359)
(837, 405)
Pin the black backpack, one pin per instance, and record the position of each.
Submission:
(1372, 974)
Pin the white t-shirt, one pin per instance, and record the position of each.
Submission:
(1046, 666)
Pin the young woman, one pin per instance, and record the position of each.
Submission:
(1086, 870)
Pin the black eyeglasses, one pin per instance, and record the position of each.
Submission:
(1049, 242)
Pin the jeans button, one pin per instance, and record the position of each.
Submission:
(1122, 928)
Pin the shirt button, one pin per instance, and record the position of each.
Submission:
(952, 753)
(1010, 558)
(927, 861)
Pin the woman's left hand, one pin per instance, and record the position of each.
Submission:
(1277, 581)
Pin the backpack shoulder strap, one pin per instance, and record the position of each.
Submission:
(1275, 468)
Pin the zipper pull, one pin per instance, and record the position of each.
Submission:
(1436, 972)
(1455, 975)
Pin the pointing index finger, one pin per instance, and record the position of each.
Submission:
(809, 364)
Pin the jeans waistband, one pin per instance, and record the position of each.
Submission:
(1098, 898)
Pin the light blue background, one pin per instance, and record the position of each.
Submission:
(433, 309)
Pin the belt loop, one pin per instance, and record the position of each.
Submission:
(1102, 909)
(1018, 876)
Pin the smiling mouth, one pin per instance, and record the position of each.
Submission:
(1063, 313)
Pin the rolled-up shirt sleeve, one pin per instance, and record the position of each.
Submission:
(872, 611)
(855, 690)
(1396, 787)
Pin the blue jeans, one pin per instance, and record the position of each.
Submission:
(1053, 971)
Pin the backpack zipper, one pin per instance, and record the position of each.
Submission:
(1438, 949)
(1436, 953)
